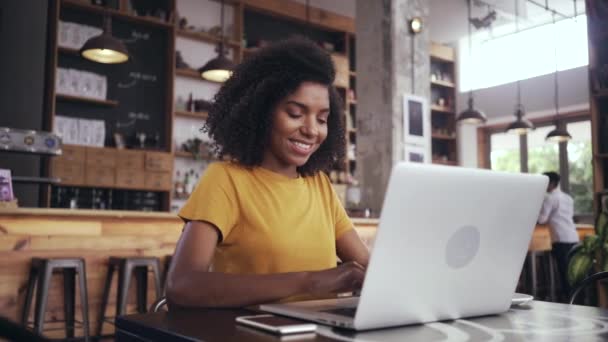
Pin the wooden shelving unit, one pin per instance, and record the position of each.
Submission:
(205, 37)
(194, 115)
(82, 5)
(68, 51)
(188, 155)
(443, 104)
(89, 100)
(190, 73)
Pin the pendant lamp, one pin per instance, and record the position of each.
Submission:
(104, 48)
(520, 125)
(219, 69)
(471, 115)
(560, 133)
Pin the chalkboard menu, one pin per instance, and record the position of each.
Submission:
(138, 87)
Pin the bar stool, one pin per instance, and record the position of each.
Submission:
(41, 270)
(126, 266)
(540, 272)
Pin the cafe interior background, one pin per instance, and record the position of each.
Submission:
(442, 86)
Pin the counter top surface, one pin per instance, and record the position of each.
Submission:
(118, 214)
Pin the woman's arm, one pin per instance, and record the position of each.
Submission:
(191, 284)
(350, 248)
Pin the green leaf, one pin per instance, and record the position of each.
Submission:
(579, 267)
(591, 243)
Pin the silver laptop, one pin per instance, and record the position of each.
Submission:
(450, 244)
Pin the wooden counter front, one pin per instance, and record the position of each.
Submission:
(93, 235)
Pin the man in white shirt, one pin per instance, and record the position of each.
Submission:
(558, 211)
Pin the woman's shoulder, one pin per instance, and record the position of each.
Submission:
(226, 169)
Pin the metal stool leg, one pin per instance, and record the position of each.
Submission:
(84, 302)
(29, 294)
(124, 279)
(157, 279)
(141, 276)
(42, 297)
(104, 299)
(69, 295)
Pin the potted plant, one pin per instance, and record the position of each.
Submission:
(592, 252)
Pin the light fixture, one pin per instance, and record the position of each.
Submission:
(520, 125)
(560, 133)
(105, 48)
(219, 69)
(471, 115)
(415, 25)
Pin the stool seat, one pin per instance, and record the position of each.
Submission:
(126, 267)
(41, 271)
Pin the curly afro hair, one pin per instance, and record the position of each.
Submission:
(240, 118)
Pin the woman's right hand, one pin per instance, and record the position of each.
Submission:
(346, 277)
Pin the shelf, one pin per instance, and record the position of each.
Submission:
(190, 73)
(444, 162)
(442, 136)
(68, 51)
(441, 59)
(188, 155)
(601, 93)
(445, 84)
(196, 115)
(352, 130)
(205, 37)
(85, 6)
(352, 102)
(70, 98)
(352, 73)
(442, 109)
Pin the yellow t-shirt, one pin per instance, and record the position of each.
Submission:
(269, 223)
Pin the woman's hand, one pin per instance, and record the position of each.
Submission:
(347, 277)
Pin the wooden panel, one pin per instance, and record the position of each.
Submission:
(294, 10)
(99, 176)
(342, 74)
(100, 157)
(159, 161)
(69, 173)
(71, 154)
(442, 52)
(128, 159)
(42, 227)
(129, 178)
(158, 181)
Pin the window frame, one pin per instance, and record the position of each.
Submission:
(484, 134)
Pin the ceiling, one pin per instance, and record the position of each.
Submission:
(447, 22)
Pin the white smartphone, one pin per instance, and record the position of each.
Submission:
(277, 324)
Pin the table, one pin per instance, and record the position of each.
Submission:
(531, 322)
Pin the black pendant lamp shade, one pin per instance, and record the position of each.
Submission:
(521, 125)
(105, 48)
(559, 134)
(472, 115)
(219, 69)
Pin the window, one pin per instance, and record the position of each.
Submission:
(543, 156)
(532, 154)
(500, 60)
(580, 168)
(505, 152)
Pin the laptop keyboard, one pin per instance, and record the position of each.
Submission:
(348, 312)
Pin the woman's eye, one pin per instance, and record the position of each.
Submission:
(294, 115)
(322, 121)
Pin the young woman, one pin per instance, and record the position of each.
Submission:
(266, 225)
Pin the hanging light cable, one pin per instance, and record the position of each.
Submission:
(219, 69)
(105, 48)
(520, 125)
(560, 133)
(471, 115)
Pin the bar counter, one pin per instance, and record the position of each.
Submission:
(95, 235)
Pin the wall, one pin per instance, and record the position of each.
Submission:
(537, 96)
(23, 27)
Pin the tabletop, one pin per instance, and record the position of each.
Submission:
(531, 322)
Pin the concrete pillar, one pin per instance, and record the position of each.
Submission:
(385, 52)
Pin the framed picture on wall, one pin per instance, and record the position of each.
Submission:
(415, 154)
(416, 121)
